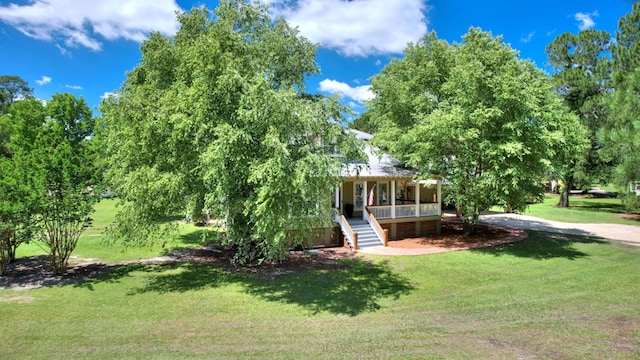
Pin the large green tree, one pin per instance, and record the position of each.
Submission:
(583, 77)
(622, 137)
(48, 180)
(216, 118)
(474, 113)
(12, 88)
(22, 122)
(64, 176)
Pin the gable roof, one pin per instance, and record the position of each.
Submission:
(378, 165)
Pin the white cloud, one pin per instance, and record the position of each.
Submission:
(63, 51)
(44, 80)
(80, 23)
(357, 93)
(109, 94)
(356, 27)
(73, 87)
(585, 20)
(354, 105)
(528, 38)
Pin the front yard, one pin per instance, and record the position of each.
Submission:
(550, 296)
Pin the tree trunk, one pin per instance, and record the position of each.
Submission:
(468, 227)
(4, 254)
(566, 191)
(469, 222)
(12, 245)
(3, 262)
(11, 252)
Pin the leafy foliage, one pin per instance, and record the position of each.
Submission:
(64, 177)
(12, 88)
(622, 138)
(215, 118)
(21, 125)
(475, 114)
(49, 177)
(365, 122)
(583, 78)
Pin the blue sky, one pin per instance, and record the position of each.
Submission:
(85, 47)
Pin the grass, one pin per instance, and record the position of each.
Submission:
(581, 210)
(91, 244)
(550, 296)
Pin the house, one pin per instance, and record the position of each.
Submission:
(380, 201)
(634, 187)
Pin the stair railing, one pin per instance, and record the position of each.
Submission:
(352, 236)
(383, 234)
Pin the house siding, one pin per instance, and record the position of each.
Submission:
(411, 229)
(323, 237)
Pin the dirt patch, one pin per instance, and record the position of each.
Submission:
(32, 272)
(634, 217)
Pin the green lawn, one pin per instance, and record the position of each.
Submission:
(550, 296)
(92, 246)
(581, 210)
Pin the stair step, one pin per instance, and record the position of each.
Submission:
(364, 246)
(363, 231)
(363, 234)
(369, 241)
(367, 237)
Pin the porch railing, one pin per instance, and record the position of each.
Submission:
(405, 211)
(352, 236)
(380, 212)
(383, 234)
(431, 209)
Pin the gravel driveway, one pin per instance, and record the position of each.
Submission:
(626, 233)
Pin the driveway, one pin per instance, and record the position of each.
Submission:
(626, 233)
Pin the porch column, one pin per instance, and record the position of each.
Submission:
(392, 194)
(337, 199)
(439, 197)
(365, 200)
(418, 199)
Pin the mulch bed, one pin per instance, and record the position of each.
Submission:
(452, 237)
(630, 216)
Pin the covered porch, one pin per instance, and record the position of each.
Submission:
(389, 199)
(404, 207)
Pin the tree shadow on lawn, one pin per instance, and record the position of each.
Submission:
(542, 245)
(194, 238)
(354, 288)
(585, 205)
(338, 286)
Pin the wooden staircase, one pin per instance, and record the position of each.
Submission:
(366, 236)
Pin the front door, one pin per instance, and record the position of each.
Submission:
(383, 193)
(358, 196)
